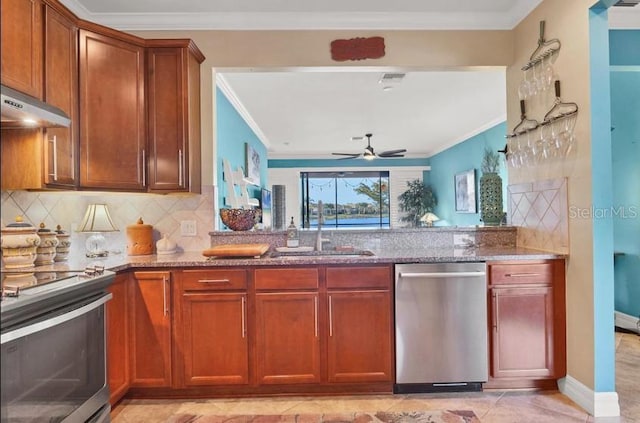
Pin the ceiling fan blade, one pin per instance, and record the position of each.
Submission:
(347, 155)
(352, 155)
(392, 153)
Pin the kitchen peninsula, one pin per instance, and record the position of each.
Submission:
(182, 325)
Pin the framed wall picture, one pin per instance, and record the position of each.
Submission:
(265, 205)
(465, 190)
(252, 165)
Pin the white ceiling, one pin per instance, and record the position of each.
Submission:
(316, 113)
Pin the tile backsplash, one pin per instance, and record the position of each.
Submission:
(164, 212)
(540, 210)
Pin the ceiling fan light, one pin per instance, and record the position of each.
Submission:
(368, 155)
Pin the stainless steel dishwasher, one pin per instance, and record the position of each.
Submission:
(441, 327)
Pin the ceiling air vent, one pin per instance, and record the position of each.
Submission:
(393, 78)
(627, 3)
(390, 80)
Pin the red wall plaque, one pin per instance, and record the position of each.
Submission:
(357, 49)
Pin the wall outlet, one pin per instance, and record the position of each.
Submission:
(188, 228)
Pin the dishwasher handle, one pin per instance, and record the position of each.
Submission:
(440, 274)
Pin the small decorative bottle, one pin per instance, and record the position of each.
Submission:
(292, 235)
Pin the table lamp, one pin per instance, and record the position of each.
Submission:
(428, 219)
(96, 221)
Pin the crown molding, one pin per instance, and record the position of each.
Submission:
(226, 89)
(304, 20)
(468, 135)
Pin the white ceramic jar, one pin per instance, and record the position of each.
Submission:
(19, 241)
(64, 244)
(46, 251)
(166, 245)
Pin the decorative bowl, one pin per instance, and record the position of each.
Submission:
(240, 219)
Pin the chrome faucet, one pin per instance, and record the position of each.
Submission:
(319, 233)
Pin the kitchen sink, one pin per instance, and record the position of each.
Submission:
(324, 253)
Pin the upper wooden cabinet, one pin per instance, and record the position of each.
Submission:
(173, 92)
(22, 45)
(61, 90)
(134, 104)
(112, 113)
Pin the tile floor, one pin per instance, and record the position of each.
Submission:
(490, 407)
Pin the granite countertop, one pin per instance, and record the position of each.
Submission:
(196, 259)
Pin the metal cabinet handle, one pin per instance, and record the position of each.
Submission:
(213, 281)
(521, 275)
(54, 321)
(494, 317)
(180, 168)
(144, 167)
(315, 305)
(441, 274)
(54, 141)
(244, 329)
(330, 316)
(165, 304)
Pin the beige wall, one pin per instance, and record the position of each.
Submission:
(568, 21)
(311, 49)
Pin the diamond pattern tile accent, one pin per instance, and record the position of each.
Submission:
(164, 212)
(540, 210)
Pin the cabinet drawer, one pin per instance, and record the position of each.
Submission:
(513, 274)
(359, 277)
(214, 280)
(304, 278)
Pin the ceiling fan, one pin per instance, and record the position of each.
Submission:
(369, 153)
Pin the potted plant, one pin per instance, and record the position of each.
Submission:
(417, 200)
(491, 207)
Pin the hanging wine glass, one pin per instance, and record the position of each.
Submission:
(524, 87)
(548, 74)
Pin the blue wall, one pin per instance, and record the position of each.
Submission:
(232, 132)
(625, 139)
(464, 156)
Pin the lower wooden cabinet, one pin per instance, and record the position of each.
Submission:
(360, 342)
(527, 324)
(118, 338)
(212, 334)
(150, 326)
(248, 331)
(287, 338)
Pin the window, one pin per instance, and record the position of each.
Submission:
(350, 199)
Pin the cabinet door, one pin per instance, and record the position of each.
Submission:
(117, 338)
(151, 329)
(214, 330)
(360, 338)
(22, 45)
(168, 146)
(522, 335)
(112, 113)
(61, 90)
(287, 338)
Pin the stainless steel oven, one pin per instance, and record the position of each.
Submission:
(53, 357)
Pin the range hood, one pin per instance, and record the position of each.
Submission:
(21, 110)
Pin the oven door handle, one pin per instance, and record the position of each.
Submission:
(54, 321)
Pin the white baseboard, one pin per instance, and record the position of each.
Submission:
(626, 321)
(598, 404)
